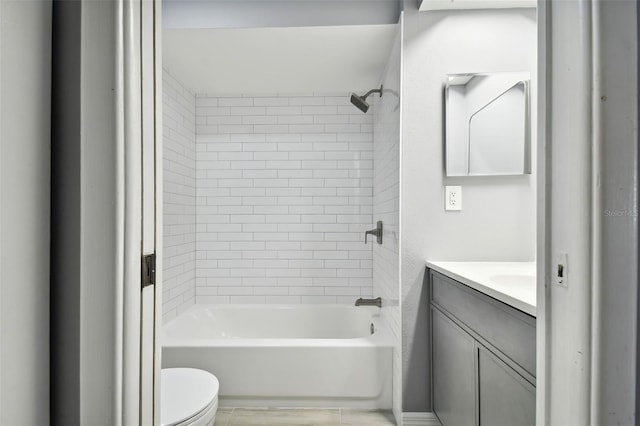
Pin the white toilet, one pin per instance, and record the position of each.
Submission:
(189, 397)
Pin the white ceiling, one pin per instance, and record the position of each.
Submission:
(277, 13)
(475, 4)
(278, 60)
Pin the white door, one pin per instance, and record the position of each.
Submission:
(142, 100)
(151, 101)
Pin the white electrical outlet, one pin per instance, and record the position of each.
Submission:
(453, 198)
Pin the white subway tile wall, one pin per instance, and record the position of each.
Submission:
(284, 194)
(179, 192)
(386, 207)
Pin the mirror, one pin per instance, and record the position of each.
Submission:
(487, 129)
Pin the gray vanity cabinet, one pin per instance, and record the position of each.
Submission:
(455, 401)
(483, 358)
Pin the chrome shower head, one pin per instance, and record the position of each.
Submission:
(361, 101)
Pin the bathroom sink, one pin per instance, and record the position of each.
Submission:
(514, 279)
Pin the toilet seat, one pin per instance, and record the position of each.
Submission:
(189, 396)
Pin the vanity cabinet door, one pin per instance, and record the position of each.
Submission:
(505, 397)
(454, 390)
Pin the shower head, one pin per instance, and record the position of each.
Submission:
(361, 101)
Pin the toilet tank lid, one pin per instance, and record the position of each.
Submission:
(184, 393)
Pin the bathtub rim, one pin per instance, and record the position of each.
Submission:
(381, 338)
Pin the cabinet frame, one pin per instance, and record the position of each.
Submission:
(524, 322)
(480, 343)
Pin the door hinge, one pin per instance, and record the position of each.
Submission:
(148, 269)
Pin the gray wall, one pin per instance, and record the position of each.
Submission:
(65, 215)
(25, 65)
(85, 281)
(617, 385)
(497, 221)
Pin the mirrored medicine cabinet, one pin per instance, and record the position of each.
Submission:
(487, 124)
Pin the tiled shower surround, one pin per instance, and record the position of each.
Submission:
(267, 199)
(386, 207)
(283, 197)
(179, 193)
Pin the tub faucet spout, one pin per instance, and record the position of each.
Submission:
(369, 302)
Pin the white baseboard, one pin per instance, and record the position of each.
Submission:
(419, 419)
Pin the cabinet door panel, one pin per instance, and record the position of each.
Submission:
(454, 390)
(505, 397)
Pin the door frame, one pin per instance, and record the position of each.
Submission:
(142, 101)
(589, 370)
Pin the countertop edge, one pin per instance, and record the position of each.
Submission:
(502, 297)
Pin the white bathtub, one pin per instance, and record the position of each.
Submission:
(286, 355)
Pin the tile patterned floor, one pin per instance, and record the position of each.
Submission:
(302, 417)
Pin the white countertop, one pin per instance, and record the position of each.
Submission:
(513, 283)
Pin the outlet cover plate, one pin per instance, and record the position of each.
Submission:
(453, 198)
